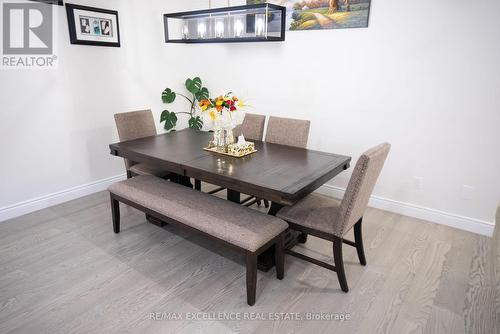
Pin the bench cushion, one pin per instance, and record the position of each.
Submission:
(236, 224)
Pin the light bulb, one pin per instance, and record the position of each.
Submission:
(202, 29)
(185, 31)
(219, 28)
(259, 24)
(238, 27)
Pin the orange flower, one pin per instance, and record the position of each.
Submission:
(235, 98)
(204, 104)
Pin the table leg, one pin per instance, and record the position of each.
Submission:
(266, 260)
(155, 221)
(274, 209)
(185, 181)
(233, 196)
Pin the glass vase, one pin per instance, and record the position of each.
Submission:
(223, 138)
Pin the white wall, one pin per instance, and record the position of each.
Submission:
(424, 76)
(55, 123)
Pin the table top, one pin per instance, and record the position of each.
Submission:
(279, 173)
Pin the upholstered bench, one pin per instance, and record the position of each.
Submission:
(246, 230)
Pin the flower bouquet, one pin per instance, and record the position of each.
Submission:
(222, 114)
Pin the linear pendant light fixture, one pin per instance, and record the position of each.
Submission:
(249, 23)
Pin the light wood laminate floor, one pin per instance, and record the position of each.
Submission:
(63, 270)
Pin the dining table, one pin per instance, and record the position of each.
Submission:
(281, 174)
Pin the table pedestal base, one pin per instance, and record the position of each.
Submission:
(155, 221)
(265, 261)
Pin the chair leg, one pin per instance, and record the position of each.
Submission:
(280, 256)
(115, 213)
(339, 263)
(257, 201)
(251, 278)
(197, 185)
(266, 202)
(358, 239)
(215, 191)
(244, 201)
(251, 203)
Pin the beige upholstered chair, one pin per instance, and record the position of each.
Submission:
(253, 129)
(133, 125)
(327, 219)
(284, 131)
(287, 131)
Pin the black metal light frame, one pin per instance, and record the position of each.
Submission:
(183, 15)
(51, 2)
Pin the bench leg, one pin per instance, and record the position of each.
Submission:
(115, 213)
(280, 256)
(251, 278)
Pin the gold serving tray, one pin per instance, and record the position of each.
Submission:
(214, 149)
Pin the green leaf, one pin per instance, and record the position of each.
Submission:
(168, 96)
(195, 123)
(193, 85)
(202, 94)
(170, 119)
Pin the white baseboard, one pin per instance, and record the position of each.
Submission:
(406, 209)
(46, 201)
(445, 218)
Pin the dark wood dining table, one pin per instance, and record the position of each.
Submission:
(280, 174)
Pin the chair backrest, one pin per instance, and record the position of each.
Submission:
(252, 127)
(360, 187)
(133, 125)
(287, 131)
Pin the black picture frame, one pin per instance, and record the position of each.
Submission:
(70, 13)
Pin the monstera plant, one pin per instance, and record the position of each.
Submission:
(197, 93)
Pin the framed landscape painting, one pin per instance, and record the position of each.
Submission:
(324, 14)
(93, 26)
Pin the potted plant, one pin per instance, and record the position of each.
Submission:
(197, 93)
